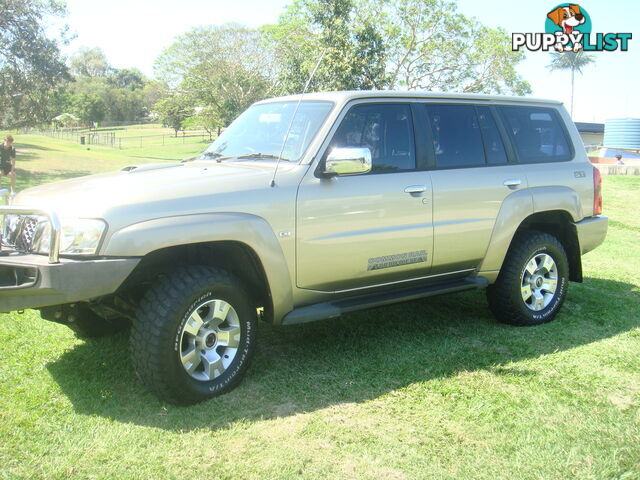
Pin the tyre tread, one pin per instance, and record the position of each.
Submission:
(499, 295)
(160, 304)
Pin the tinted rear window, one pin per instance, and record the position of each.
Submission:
(537, 134)
(457, 140)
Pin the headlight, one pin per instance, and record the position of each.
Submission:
(78, 236)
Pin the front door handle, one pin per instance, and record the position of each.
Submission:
(512, 183)
(415, 189)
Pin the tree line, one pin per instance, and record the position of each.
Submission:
(209, 75)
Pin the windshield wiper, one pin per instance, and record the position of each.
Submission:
(260, 155)
(218, 157)
(213, 155)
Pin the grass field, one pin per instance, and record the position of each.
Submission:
(432, 389)
(42, 159)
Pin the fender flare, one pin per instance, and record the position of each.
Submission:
(515, 209)
(140, 239)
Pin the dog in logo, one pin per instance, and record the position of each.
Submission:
(567, 18)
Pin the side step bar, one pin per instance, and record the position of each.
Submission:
(334, 309)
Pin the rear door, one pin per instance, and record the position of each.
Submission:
(473, 172)
(543, 143)
(361, 230)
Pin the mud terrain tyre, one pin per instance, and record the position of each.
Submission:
(533, 281)
(194, 335)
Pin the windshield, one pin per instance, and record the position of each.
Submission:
(259, 132)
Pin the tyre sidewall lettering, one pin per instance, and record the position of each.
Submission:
(238, 364)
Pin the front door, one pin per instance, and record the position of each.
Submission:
(362, 230)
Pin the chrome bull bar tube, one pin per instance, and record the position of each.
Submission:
(54, 221)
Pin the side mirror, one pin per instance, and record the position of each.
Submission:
(347, 161)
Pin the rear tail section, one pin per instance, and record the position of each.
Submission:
(597, 192)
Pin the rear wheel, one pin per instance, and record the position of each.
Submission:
(533, 281)
(194, 335)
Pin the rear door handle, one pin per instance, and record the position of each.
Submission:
(415, 189)
(512, 183)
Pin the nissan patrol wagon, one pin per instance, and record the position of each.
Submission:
(306, 208)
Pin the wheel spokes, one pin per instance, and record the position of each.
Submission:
(538, 300)
(221, 310)
(212, 363)
(550, 285)
(548, 264)
(191, 359)
(532, 266)
(229, 337)
(539, 281)
(193, 323)
(210, 339)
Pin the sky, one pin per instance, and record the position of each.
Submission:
(132, 33)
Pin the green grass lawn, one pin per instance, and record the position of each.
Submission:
(42, 159)
(433, 389)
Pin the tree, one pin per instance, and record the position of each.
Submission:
(31, 67)
(573, 61)
(206, 118)
(224, 68)
(130, 78)
(88, 108)
(353, 50)
(123, 92)
(412, 44)
(90, 62)
(231, 43)
(173, 111)
(124, 105)
(226, 87)
(152, 93)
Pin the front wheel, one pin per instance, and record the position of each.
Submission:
(194, 335)
(533, 281)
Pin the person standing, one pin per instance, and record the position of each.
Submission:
(8, 162)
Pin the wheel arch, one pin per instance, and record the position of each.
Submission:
(558, 222)
(238, 242)
(235, 257)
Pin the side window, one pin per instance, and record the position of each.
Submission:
(537, 134)
(493, 146)
(457, 141)
(385, 129)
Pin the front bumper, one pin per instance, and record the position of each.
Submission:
(591, 232)
(30, 281)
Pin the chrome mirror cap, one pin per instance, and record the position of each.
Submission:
(348, 161)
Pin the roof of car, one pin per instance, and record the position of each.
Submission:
(345, 96)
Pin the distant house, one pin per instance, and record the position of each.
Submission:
(592, 133)
(65, 120)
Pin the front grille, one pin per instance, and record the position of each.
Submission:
(27, 227)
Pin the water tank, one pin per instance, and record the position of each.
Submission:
(622, 133)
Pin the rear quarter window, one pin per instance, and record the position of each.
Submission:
(537, 134)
